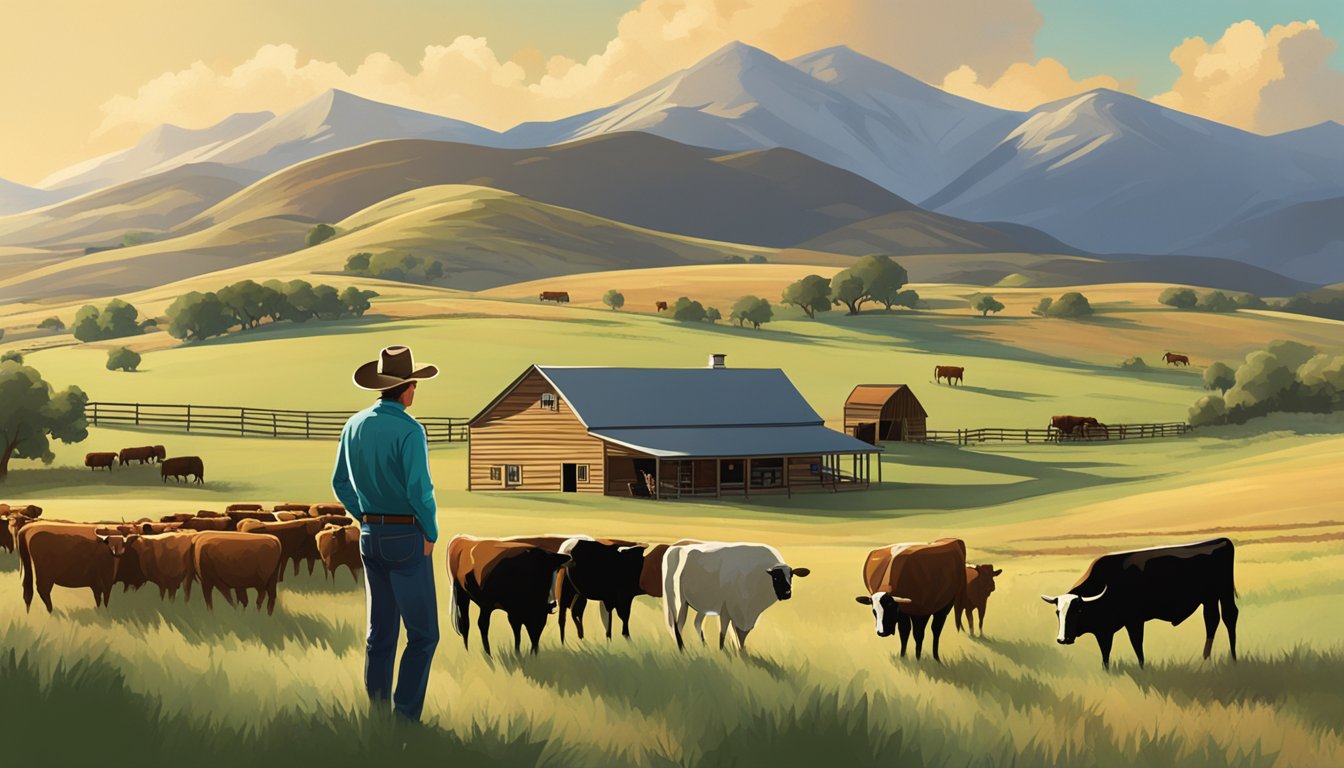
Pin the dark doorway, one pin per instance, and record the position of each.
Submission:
(647, 467)
(867, 432)
(731, 472)
(569, 478)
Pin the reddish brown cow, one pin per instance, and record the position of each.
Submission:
(183, 467)
(177, 517)
(100, 459)
(297, 540)
(979, 583)
(317, 510)
(660, 306)
(166, 560)
(1077, 426)
(651, 577)
(908, 583)
(142, 454)
(559, 297)
(29, 512)
(1172, 359)
(236, 562)
(147, 528)
(948, 372)
(208, 524)
(69, 555)
(243, 508)
(237, 516)
(300, 509)
(339, 545)
(160, 453)
(512, 576)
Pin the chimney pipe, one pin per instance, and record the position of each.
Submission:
(716, 360)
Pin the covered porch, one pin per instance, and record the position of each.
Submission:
(646, 476)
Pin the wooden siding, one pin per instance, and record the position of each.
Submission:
(866, 406)
(517, 430)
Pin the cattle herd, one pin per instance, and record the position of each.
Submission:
(910, 587)
(180, 468)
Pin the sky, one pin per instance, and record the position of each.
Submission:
(81, 78)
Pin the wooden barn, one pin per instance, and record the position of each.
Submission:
(877, 412)
(660, 433)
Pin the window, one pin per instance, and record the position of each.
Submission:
(581, 473)
(496, 473)
(549, 403)
(513, 474)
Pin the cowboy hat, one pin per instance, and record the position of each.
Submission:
(394, 367)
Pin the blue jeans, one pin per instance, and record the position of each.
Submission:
(399, 582)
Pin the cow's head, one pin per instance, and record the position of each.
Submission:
(116, 539)
(886, 610)
(1072, 611)
(781, 577)
(988, 572)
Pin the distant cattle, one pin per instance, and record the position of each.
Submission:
(238, 516)
(297, 540)
(1126, 589)
(166, 561)
(147, 528)
(142, 454)
(243, 508)
(205, 513)
(660, 306)
(100, 459)
(512, 576)
(183, 467)
(909, 583)
(177, 517)
(948, 372)
(975, 595)
(284, 517)
(318, 510)
(734, 581)
(559, 297)
(1078, 426)
(301, 509)
(208, 524)
(339, 546)
(236, 562)
(1173, 359)
(160, 453)
(70, 555)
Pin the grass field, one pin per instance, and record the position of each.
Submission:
(165, 680)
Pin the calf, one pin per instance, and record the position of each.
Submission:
(735, 582)
(512, 576)
(100, 459)
(183, 467)
(339, 545)
(69, 555)
(236, 562)
(975, 595)
(908, 583)
(1127, 589)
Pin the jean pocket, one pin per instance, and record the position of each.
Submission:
(366, 549)
(399, 548)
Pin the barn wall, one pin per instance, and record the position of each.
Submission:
(517, 430)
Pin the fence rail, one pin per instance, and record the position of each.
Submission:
(1049, 435)
(251, 422)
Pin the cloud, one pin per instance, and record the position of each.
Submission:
(466, 79)
(1262, 81)
(1025, 86)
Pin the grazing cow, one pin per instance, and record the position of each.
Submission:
(208, 524)
(339, 545)
(183, 467)
(512, 576)
(237, 517)
(166, 560)
(297, 540)
(1076, 426)
(147, 528)
(1126, 589)
(607, 572)
(734, 581)
(160, 453)
(177, 517)
(651, 576)
(300, 509)
(69, 555)
(1172, 359)
(285, 517)
(142, 454)
(660, 306)
(100, 459)
(908, 583)
(948, 372)
(236, 562)
(206, 513)
(318, 510)
(242, 508)
(975, 595)
(28, 512)
(559, 297)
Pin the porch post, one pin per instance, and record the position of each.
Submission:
(718, 478)
(746, 479)
(657, 478)
(879, 469)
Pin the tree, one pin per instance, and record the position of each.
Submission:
(197, 316)
(1207, 411)
(734, 259)
(391, 265)
(248, 301)
(300, 301)
(52, 323)
(1180, 298)
(85, 326)
(13, 356)
(752, 309)
(1216, 301)
(356, 301)
(1071, 304)
(327, 303)
(687, 311)
(1042, 307)
(434, 271)
(984, 304)
(122, 359)
(1220, 377)
(757, 258)
(872, 278)
(30, 414)
(812, 294)
(1245, 300)
(713, 315)
(614, 299)
(318, 234)
(119, 319)
(358, 264)
(905, 299)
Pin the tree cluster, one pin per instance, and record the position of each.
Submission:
(1326, 302)
(1212, 301)
(391, 265)
(52, 323)
(752, 309)
(32, 413)
(196, 316)
(1285, 376)
(874, 278)
(318, 234)
(122, 359)
(756, 258)
(1071, 305)
(113, 321)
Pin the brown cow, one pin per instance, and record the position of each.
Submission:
(242, 508)
(235, 563)
(160, 453)
(177, 517)
(297, 540)
(166, 560)
(29, 512)
(660, 306)
(209, 513)
(239, 516)
(142, 454)
(318, 510)
(979, 583)
(100, 459)
(1076, 426)
(69, 555)
(948, 372)
(512, 576)
(147, 528)
(301, 509)
(183, 467)
(559, 297)
(208, 524)
(908, 583)
(1173, 359)
(285, 517)
(339, 545)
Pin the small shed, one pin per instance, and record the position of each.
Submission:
(877, 412)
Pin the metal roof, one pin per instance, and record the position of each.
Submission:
(879, 394)
(726, 442)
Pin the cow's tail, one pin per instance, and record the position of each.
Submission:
(457, 607)
(671, 591)
(25, 568)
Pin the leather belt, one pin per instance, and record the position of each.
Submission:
(390, 519)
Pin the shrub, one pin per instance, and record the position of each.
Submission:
(757, 258)
(687, 311)
(52, 323)
(1285, 376)
(1207, 411)
(1216, 301)
(358, 264)
(319, 233)
(812, 294)
(908, 299)
(1180, 298)
(1071, 304)
(115, 320)
(1220, 377)
(355, 302)
(12, 356)
(435, 271)
(197, 316)
(984, 304)
(1042, 307)
(122, 359)
(613, 298)
(1248, 301)
(713, 315)
(752, 309)
(1133, 364)
(1326, 302)
(734, 259)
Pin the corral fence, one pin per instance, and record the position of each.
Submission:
(251, 422)
(1051, 435)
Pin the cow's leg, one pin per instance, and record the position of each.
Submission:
(1104, 643)
(605, 609)
(1136, 638)
(920, 623)
(534, 634)
(97, 596)
(903, 626)
(241, 593)
(208, 590)
(270, 598)
(956, 617)
(517, 626)
(564, 609)
(576, 610)
(483, 624)
(1210, 626)
(939, 619)
(1230, 613)
(723, 631)
(700, 624)
(679, 610)
(741, 636)
(44, 592)
(461, 612)
(981, 611)
(623, 611)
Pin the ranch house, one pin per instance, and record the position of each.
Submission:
(877, 412)
(660, 433)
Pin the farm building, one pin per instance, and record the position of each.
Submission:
(877, 412)
(661, 433)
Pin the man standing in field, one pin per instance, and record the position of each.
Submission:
(382, 478)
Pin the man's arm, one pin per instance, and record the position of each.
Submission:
(341, 483)
(419, 486)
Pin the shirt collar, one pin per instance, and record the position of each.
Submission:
(393, 405)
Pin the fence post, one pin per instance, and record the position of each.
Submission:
(306, 425)
(95, 414)
(188, 418)
(137, 414)
(242, 417)
(274, 430)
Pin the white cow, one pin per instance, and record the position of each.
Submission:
(733, 581)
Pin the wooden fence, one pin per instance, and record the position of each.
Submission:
(251, 422)
(1049, 435)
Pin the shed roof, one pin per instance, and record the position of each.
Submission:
(880, 394)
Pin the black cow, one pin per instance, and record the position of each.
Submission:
(602, 571)
(1126, 589)
(509, 575)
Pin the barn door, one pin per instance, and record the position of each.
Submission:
(569, 478)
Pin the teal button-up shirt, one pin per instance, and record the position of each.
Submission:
(382, 466)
